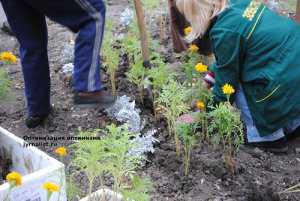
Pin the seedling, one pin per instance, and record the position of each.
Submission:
(4, 83)
(197, 94)
(139, 189)
(137, 75)
(111, 55)
(190, 60)
(131, 43)
(158, 76)
(226, 128)
(109, 155)
(90, 157)
(172, 99)
(186, 133)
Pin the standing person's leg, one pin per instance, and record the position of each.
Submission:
(274, 142)
(31, 31)
(87, 17)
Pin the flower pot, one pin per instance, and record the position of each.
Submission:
(36, 168)
(104, 195)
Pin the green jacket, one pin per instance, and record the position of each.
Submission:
(260, 51)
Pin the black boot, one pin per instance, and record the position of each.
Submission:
(277, 146)
(33, 122)
(293, 135)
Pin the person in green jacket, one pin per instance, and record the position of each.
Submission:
(258, 52)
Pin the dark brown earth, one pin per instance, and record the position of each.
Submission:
(260, 175)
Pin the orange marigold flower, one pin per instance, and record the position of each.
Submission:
(193, 48)
(200, 105)
(61, 151)
(14, 178)
(201, 68)
(228, 89)
(8, 57)
(187, 30)
(51, 187)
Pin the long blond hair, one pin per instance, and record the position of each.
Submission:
(199, 14)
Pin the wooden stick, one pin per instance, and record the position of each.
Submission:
(143, 33)
(298, 11)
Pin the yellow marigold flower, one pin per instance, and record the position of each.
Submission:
(51, 187)
(61, 151)
(14, 177)
(228, 89)
(187, 30)
(193, 48)
(8, 57)
(201, 68)
(200, 105)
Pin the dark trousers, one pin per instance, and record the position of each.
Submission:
(27, 20)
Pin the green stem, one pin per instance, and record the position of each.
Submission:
(91, 189)
(49, 194)
(187, 160)
(113, 83)
(9, 191)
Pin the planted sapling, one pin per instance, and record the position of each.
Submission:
(158, 76)
(111, 55)
(4, 83)
(226, 128)
(172, 98)
(137, 75)
(109, 155)
(187, 134)
(90, 157)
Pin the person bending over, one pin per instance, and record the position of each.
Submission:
(257, 52)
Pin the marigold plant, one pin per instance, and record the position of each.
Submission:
(187, 30)
(226, 129)
(228, 89)
(61, 151)
(8, 57)
(200, 105)
(187, 135)
(5, 83)
(51, 188)
(193, 48)
(172, 99)
(14, 178)
(201, 68)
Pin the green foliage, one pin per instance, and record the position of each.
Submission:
(109, 155)
(137, 75)
(71, 188)
(5, 83)
(131, 43)
(90, 157)
(172, 98)
(187, 135)
(198, 91)
(226, 128)
(151, 4)
(190, 61)
(159, 75)
(139, 190)
(110, 54)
